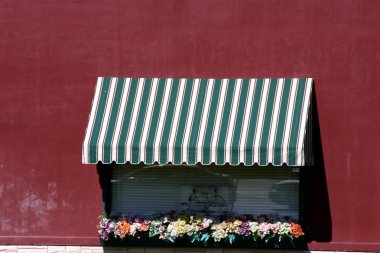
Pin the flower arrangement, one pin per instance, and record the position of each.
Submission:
(199, 228)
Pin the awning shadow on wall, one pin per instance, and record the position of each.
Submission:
(317, 219)
(105, 175)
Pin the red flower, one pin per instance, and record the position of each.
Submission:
(296, 230)
(124, 228)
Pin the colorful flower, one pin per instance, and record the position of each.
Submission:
(264, 229)
(284, 229)
(244, 229)
(296, 230)
(122, 229)
(199, 228)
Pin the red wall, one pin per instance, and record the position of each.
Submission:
(51, 53)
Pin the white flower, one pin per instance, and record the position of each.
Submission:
(132, 229)
(206, 222)
(284, 228)
(137, 225)
(254, 226)
(275, 227)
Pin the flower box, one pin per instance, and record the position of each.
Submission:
(178, 230)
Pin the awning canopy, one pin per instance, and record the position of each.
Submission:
(166, 120)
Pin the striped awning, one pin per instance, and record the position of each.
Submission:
(167, 120)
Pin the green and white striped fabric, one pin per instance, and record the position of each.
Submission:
(166, 120)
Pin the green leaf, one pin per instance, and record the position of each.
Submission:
(231, 238)
(269, 237)
(291, 242)
(205, 237)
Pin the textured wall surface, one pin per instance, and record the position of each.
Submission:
(51, 53)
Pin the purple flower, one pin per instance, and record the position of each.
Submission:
(104, 223)
(104, 236)
(137, 219)
(244, 229)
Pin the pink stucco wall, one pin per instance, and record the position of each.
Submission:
(51, 53)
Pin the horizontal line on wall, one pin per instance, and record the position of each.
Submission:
(47, 236)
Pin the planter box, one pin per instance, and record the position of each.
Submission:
(286, 243)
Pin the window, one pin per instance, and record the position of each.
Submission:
(210, 190)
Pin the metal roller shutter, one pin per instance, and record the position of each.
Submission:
(214, 190)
